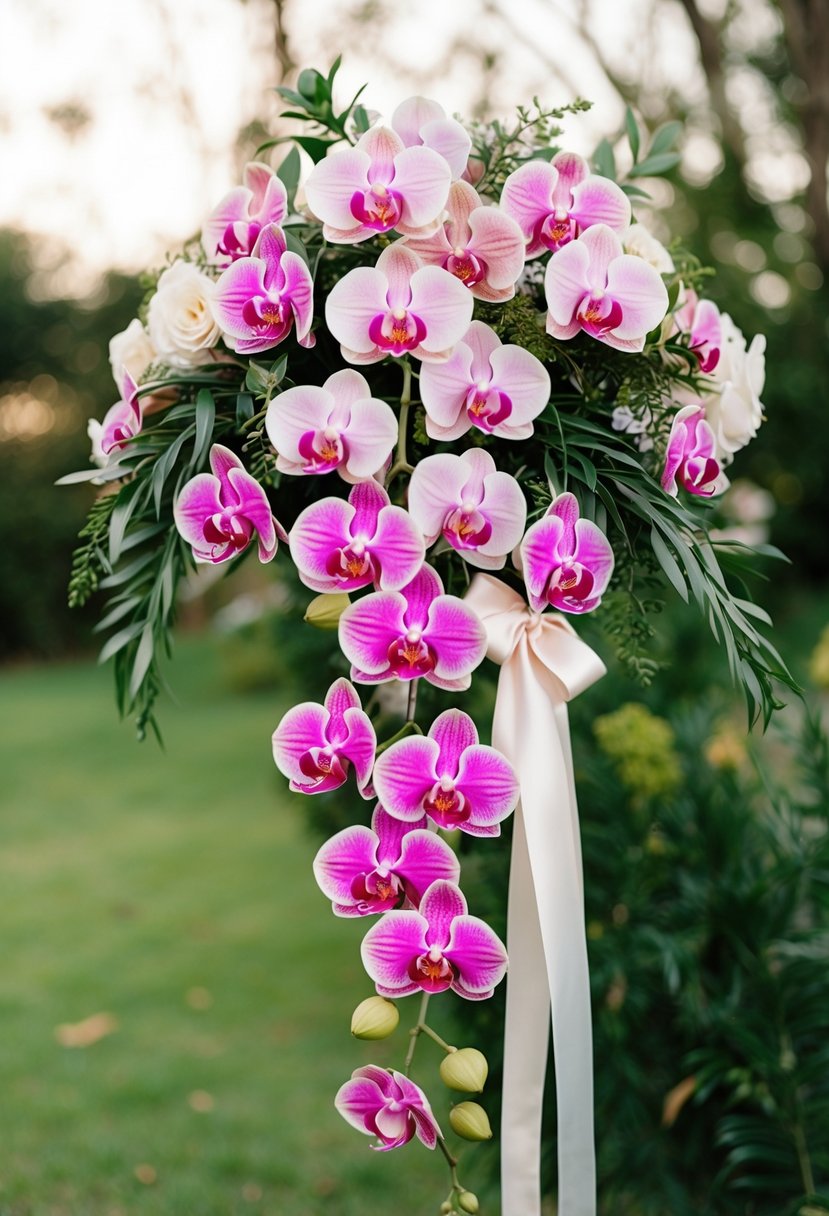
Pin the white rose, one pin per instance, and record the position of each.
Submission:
(642, 244)
(131, 349)
(180, 318)
(733, 407)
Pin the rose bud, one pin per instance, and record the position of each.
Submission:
(324, 611)
(468, 1202)
(374, 1018)
(465, 1069)
(470, 1121)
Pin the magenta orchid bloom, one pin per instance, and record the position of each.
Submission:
(122, 421)
(700, 319)
(398, 307)
(499, 389)
(448, 775)
(340, 546)
(233, 226)
(376, 186)
(554, 202)
(367, 870)
(259, 299)
(417, 631)
(315, 745)
(690, 459)
(339, 426)
(389, 1106)
(478, 510)
(438, 947)
(419, 121)
(567, 561)
(592, 285)
(480, 245)
(217, 513)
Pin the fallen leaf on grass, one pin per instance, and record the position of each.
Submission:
(86, 1032)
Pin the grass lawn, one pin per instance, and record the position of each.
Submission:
(173, 891)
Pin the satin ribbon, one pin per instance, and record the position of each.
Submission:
(543, 665)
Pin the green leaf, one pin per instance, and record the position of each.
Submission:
(664, 138)
(316, 148)
(117, 614)
(129, 499)
(143, 658)
(669, 565)
(125, 573)
(108, 473)
(244, 406)
(360, 119)
(632, 133)
(119, 640)
(312, 86)
(165, 464)
(296, 246)
(288, 173)
(604, 160)
(653, 166)
(205, 417)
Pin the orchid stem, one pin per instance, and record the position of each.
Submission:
(411, 705)
(401, 460)
(415, 1032)
(437, 1039)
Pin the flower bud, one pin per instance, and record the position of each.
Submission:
(470, 1121)
(465, 1069)
(324, 611)
(468, 1202)
(374, 1018)
(446, 1207)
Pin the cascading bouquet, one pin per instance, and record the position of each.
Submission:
(453, 340)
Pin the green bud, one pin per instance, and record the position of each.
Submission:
(325, 610)
(374, 1018)
(470, 1121)
(467, 1202)
(446, 1207)
(465, 1069)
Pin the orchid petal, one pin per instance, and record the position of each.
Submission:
(394, 1127)
(390, 946)
(505, 508)
(368, 499)
(453, 731)
(434, 489)
(294, 412)
(572, 169)
(254, 505)
(371, 435)
(419, 594)
(566, 507)
(398, 547)
(422, 178)
(368, 627)
(425, 859)
(594, 550)
(499, 241)
(457, 636)
(444, 386)
(382, 145)
(346, 856)
(488, 781)
(404, 774)
(411, 116)
(477, 952)
(320, 529)
(524, 379)
(196, 502)
(444, 305)
(441, 904)
(527, 198)
(566, 281)
(426, 1125)
(391, 833)
(451, 140)
(243, 279)
(358, 1102)
(539, 554)
(332, 183)
(597, 200)
(398, 263)
(298, 290)
(300, 729)
(640, 291)
(359, 745)
(353, 303)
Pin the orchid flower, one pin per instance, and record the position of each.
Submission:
(417, 631)
(398, 307)
(315, 745)
(420, 121)
(498, 388)
(366, 870)
(592, 285)
(217, 513)
(480, 245)
(389, 1106)
(700, 319)
(567, 561)
(691, 456)
(376, 186)
(340, 546)
(122, 421)
(339, 426)
(258, 299)
(234, 224)
(554, 202)
(438, 947)
(478, 510)
(449, 775)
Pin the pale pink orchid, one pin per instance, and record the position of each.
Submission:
(376, 186)
(690, 460)
(567, 561)
(448, 775)
(417, 631)
(398, 307)
(554, 201)
(367, 870)
(592, 285)
(122, 421)
(259, 299)
(218, 513)
(315, 745)
(480, 512)
(420, 121)
(700, 320)
(234, 224)
(389, 1106)
(338, 426)
(340, 546)
(438, 947)
(479, 245)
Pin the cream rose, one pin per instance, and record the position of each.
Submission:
(180, 319)
(733, 408)
(131, 349)
(642, 244)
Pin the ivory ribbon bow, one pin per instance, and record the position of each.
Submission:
(543, 665)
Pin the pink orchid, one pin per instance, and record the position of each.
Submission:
(234, 224)
(450, 776)
(567, 561)
(367, 870)
(438, 947)
(376, 186)
(419, 121)
(700, 319)
(389, 1106)
(217, 513)
(592, 285)
(417, 631)
(397, 307)
(690, 459)
(315, 745)
(340, 546)
(478, 510)
(554, 202)
(480, 245)
(258, 299)
(339, 426)
(122, 421)
(499, 389)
